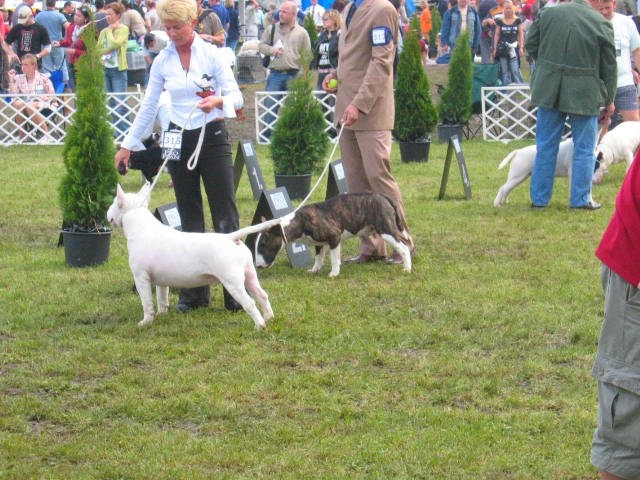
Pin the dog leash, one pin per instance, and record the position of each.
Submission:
(315, 186)
(324, 171)
(193, 159)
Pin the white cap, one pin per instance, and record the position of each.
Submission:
(23, 14)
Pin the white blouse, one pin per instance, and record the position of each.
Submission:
(167, 74)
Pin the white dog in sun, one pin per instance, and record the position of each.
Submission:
(163, 256)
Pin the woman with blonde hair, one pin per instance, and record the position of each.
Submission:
(508, 44)
(203, 92)
(41, 96)
(325, 50)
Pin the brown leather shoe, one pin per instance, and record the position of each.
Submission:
(364, 258)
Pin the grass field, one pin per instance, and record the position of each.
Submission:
(475, 365)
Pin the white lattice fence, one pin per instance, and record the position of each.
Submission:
(268, 104)
(507, 113)
(122, 108)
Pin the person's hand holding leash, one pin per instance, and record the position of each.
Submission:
(350, 116)
(121, 161)
(209, 103)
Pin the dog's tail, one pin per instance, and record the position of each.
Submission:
(259, 227)
(507, 159)
(401, 223)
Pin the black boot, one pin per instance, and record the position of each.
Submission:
(192, 298)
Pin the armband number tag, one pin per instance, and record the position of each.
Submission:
(381, 36)
(171, 145)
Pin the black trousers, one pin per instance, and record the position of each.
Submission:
(215, 169)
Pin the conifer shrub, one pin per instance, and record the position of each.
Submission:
(89, 183)
(298, 140)
(436, 25)
(456, 100)
(416, 116)
(310, 26)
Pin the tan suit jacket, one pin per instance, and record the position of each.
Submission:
(365, 71)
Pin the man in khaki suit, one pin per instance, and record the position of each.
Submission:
(365, 106)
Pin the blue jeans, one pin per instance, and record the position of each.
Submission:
(550, 125)
(232, 44)
(116, 81)
(276, 82)
(510, 71)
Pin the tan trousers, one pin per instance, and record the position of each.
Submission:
(365, 157)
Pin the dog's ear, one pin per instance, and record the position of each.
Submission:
(120, 196)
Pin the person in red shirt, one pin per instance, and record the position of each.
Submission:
(616, 443)
(73, 45)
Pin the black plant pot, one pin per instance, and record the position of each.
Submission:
(415, 151)
(83, 249)
(446, 131)
(297, 186)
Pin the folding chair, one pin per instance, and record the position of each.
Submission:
(484, 75)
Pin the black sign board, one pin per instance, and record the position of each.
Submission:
(246, 155)
(168, 214)
(454, 146)
(275, 204)
(337, 181)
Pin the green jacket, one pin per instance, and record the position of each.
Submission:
(115, 40)
(575, 55)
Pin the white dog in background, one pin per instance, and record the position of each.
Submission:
(522, 164)
(165, 257)
(617, 146)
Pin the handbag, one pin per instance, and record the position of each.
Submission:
(267, 58)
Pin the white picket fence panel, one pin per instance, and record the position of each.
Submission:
(507, 113)
(267, 107)
(61, 117)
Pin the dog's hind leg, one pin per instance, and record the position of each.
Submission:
(253, 285)
(401, 248)
(507, 188)
(236, 289)
(143, 285)
(162, 298)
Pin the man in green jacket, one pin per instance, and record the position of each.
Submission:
(575, 77)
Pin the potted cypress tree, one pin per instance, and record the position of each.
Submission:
(88, 185)
(416, 116)
(456, 100)
(298, 139)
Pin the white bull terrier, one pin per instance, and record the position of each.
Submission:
(617, 146)
(522, 164)
(165, 257)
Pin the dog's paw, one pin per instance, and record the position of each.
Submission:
(147, 320)
(261, 326)
(313, 270)
(163, 308)
(333, 274)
